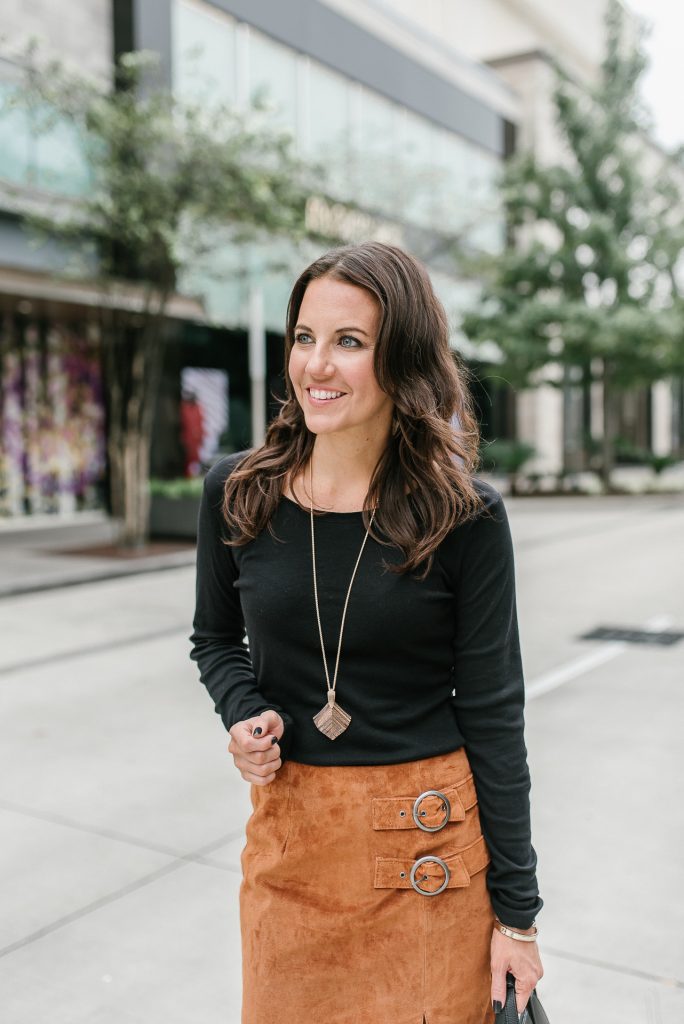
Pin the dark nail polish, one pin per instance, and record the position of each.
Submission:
(274, 739)
(258, 731)
(496, 1006)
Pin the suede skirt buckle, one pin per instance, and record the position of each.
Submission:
(332, 920)
(417, 813)
(452, 870)
(431, 811)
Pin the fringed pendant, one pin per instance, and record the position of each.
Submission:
(332, 720)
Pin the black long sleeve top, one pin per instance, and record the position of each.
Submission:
(425, 667)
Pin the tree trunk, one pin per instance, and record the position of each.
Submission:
(134, 488)
(133, 362)
(609, 426)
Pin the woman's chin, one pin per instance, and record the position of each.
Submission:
(323, 417)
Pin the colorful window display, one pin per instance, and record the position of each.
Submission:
(203, 415)
(52, 418)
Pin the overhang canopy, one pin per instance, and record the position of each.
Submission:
(46, 291)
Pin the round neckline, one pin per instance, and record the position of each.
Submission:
(327, 512)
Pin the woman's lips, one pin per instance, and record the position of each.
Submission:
(323, 401)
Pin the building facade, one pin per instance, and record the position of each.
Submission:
(520, 40)
(52, 450)
(412, 139)
(412, 136)
(411, 108)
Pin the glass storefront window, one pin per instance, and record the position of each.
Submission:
(60, 164)
(488, 231)
(451, 199)
(203, 53)
(391, 161)
(33, 154)
(52, 428)
(329, 129)
(376, 134)
(417, 145)
(273, 75)
(15, 157)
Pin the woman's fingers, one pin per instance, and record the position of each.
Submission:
(498, 988)
(255, 747)
(258, 763)
(259, 768)
(523, 991)
(258, 748)
(258, 779)
(259, 755)
(267, 722)
(243, 733)
(255, 780)
(522, 960)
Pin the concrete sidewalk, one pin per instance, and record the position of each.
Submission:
(122, 815)
(33, 550)
(38, 553)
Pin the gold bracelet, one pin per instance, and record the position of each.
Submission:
(517, 935)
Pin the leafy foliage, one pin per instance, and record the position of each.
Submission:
(181, 487)
(506, 456)
(170, 179)
(166, 174)
(595, 270)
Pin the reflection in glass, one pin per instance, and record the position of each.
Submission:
(376, 133)
(15, 142)
(329, 128)
(203, 52)
(273, 74)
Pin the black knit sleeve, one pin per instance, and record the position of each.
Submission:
(218, 636)
(489, 702)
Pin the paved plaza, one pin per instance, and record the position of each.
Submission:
(122, 815)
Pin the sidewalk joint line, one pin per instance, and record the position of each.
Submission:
(105, 833)
(605, 965)
(103, 576)
(118, 894)
(98, 648)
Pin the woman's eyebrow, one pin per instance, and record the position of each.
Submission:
(340, 330)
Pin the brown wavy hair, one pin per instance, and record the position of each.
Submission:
(423, 481)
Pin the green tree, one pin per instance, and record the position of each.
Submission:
(590, 279)
(169, 179)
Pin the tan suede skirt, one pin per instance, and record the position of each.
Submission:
(344, 912)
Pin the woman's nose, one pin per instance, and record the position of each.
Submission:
(319, 361)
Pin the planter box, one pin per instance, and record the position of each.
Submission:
(174, 517)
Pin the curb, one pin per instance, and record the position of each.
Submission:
(99, 574)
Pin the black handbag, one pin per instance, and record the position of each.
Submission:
(509, 1014)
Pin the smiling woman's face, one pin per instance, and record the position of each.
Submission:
(332, 353)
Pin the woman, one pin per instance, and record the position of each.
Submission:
(389, 842)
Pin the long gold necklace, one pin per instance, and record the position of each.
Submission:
(332, 720)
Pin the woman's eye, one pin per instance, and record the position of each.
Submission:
(304, 339)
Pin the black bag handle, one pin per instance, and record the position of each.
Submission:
(509, 1014)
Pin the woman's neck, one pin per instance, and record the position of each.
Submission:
(340, 468)
(341, 475)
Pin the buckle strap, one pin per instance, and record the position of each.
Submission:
(397, 812)
(395, 872)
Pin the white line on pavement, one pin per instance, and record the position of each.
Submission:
(578, 666)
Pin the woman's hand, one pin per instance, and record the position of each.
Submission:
(255, 749)
(522, 960)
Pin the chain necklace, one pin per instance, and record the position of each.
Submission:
(332, 720)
